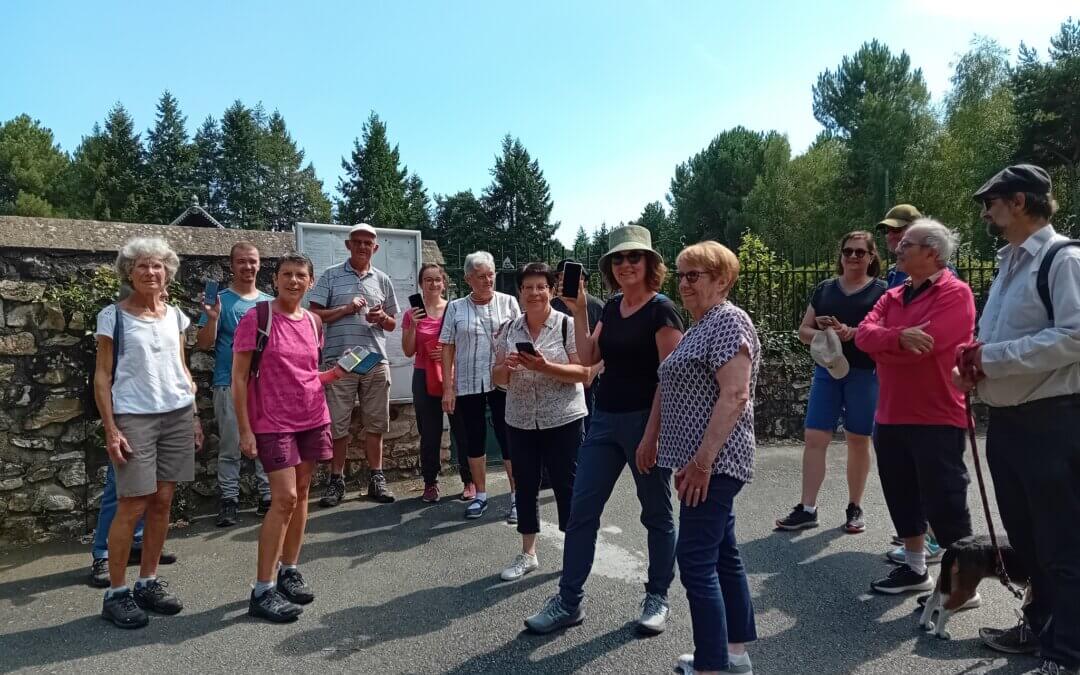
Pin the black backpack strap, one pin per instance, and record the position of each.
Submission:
(117, 338)
(264, 319)
(565, 325)
(1042, 281)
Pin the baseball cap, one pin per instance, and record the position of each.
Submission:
(1017, 178)
(899, 216)
(363, 227)
(828, 353)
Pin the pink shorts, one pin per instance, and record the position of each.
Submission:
(284, 450)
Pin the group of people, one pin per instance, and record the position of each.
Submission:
(577, 390)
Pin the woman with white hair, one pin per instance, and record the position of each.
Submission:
(470, 332)
(146, 397)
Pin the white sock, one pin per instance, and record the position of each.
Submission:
(261, 587)
(115, 591)
(809, 508)
(142, 581)
(513, 498)
(916, 560)
(481, 495)
(738, 659)
(283, 567)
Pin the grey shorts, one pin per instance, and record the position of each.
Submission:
(162, 449)
(373, 390)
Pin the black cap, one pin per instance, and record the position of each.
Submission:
(562, 263)
(1018, 178)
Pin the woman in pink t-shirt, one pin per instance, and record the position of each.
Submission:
(420, 337)
(284, 422)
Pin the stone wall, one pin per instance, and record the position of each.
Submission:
(52, 457)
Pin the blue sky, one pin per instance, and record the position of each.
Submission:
(608, 95)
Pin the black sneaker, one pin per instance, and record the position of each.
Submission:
(903, 579)
(378, 490)
(1019, 639)
(264, 506)
(153, 597)
(335, 492)
(853, 521)
(99, 573)
(135, 557)
(122, 611)
(273, 606)
(226, 516)
(290, 583)
(798, 519)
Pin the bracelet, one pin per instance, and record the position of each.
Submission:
(699, 467)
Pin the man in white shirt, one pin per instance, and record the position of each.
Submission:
(1027, 368)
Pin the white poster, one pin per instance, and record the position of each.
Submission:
(399, 256)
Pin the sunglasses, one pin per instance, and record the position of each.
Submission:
(691, 277)
(987, 202)
(857, 253)
(633, 257)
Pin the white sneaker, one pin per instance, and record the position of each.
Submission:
(739, 664)
(522, 564)
(654, 614)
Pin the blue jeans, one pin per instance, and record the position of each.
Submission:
(712, 572)
(105, 518)
(611, 444)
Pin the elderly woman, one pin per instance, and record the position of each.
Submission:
(638, 329)
(840, 304)
(146, 398)
(472, 327)
(420, 339)
(702, 428)
(545, 406)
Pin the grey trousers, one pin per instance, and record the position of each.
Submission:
(228, 468)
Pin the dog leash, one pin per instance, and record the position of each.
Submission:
(1002, 574)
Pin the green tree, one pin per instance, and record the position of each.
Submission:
(419, 207)
(82, 196)
(580, 250)
(880, 107)
(106, 179)
(518, 200)
(461, 225)
(170, 164)
(240, 172)
(374, 188)
(206, 175)
(31, 167)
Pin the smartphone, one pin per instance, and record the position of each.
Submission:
(571, 280)
(417, 301)
(526, 348)
(210, 291)
(359, 360)
(349, 361)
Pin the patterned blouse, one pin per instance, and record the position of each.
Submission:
(475, 330)
(535, 401)
(688, 392)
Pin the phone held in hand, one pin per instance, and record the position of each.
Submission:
(417, 302)
(526, 348)
(571, 281)
(359, 360)
(210, 291)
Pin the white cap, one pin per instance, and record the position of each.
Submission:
(363, 227)
(828, 353)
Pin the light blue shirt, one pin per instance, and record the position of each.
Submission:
(233, 308)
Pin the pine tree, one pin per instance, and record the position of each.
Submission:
(31, 167)
(419, 207)
(374, 188)
(241, 173)
(581, 245)
(106, 180)
(319, 208)
(170, 164)
(206, 176)
(518, 201)
(461, 225)
(291, 194)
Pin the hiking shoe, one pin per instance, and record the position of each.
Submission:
(468, 493)
(853, 523)
(933, 554)
(264, 505)
(334, 493)
(903, 579)
(166, 557)
(1019, 639)
(378, 490)
(273, 606)
(476, 508)
(654, 614)
(1052, 668)
(554, 616)
(511, 515)
(736, 664)
(798, 519)
(431, 494)
(974, 602)
(896, 540)
(99, 573)
(290, 583)
(522, 564)
(153, 597)
(121, 610)
(226, 516)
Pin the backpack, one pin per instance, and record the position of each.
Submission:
(118, 335)
(1042, 281)
(264, 319)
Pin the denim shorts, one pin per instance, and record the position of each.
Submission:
(853, 398)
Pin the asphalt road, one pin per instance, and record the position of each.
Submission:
(413, 588)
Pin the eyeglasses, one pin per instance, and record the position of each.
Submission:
(691, 277)
(633, 257)
(857, 253)
(905, 244)
(539, 288)
(987, 202)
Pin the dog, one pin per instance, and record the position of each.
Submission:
(965, 564)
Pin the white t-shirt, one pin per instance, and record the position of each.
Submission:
(150, 378)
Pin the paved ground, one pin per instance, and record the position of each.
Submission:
(412, 588)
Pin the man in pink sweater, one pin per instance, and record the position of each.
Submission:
(912, 334)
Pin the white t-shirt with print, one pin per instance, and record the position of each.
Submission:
(150, 378)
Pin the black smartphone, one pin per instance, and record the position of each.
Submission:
(526, 348)
(571, 280)
(210, 291)
(417, 301)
